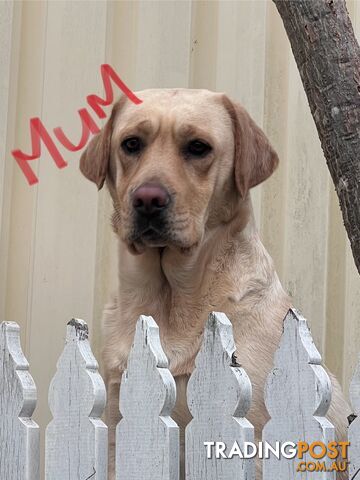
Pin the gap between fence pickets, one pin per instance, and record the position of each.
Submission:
(76, 438)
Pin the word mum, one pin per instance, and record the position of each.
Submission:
(288, 450)
(39, 133)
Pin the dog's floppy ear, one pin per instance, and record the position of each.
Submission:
(94, 162)
(254, 158)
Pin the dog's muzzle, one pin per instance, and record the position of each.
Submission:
(150, 204)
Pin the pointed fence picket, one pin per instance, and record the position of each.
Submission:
(19, 434)
(297, 396)
(218, 407)
(147, 439)
(76, 438)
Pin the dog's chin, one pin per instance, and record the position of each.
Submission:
(141, 245)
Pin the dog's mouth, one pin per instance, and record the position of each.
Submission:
(149, 237)
(157, 233)
(152, 237)
(151, 234)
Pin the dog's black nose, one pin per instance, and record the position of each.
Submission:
(150, 199)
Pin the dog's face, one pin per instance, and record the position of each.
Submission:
(176, 164)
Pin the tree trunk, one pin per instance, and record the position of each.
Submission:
(328, 58)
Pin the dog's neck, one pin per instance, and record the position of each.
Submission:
(155, 272)
(186, 272)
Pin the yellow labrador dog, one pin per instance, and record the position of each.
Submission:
(179, 168)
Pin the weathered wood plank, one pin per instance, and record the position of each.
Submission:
(19, 434)
(219, 395)
(297, 397)
(354, 428)
(147, 439)
(76, 438)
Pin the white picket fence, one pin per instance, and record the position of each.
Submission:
(218, 395)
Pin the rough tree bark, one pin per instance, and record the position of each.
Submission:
(328, 58)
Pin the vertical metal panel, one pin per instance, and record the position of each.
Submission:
(23, 198)
(242, 75)
(10, 18)
(275, 124)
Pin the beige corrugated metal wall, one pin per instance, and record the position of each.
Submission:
(57, 250)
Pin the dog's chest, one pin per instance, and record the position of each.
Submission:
(181, 317)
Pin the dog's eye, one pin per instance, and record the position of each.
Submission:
(132, 145)
(198, 148)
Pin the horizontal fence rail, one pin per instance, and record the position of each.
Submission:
(297, 396)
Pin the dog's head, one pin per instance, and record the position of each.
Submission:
(176, 164)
